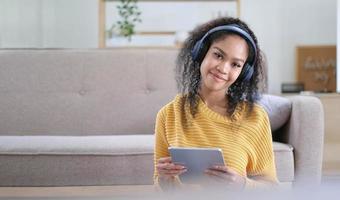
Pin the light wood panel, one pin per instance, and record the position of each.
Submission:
(316, 67)
(101, 24)
(331, 159)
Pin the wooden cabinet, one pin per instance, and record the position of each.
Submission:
(331, 159)
(331, 154)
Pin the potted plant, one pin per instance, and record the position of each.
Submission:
(129, 16)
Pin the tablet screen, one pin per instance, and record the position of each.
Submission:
(197, 160)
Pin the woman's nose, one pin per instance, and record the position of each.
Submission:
(223, 68)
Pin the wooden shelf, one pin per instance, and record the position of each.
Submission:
(102, 14)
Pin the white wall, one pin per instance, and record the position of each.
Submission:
(73, 24)
(179, 17)
(282, 25)
(173, 16)
(338, 52)
(48, 23)
(19, 23)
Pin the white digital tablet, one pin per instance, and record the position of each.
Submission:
(197, 160)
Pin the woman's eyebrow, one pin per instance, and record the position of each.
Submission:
(222, 52)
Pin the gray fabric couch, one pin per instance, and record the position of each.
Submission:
(86, 117)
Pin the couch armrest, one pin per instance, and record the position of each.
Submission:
(305, 132)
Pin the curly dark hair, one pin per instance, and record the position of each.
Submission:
(188, 75)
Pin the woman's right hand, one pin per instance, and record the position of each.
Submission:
(168, 170)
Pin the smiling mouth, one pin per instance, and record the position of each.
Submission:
(218, 77)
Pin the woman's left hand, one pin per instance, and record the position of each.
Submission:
(226, 176)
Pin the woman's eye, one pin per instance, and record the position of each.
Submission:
(217, 55)
(236, 65)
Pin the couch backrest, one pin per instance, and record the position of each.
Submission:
(84, 92)
(93, 92)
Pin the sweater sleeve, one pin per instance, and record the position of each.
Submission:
(161, 144)
(161, 148)
(261, 170)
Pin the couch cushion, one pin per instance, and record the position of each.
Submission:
(83, 160)
(92, 160)
(278, 109)
(79, 145)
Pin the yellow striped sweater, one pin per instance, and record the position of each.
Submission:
(246, 142)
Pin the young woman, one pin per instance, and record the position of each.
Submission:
(217, 72)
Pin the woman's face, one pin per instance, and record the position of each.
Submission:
(223, 63)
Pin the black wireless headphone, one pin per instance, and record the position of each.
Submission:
(200, 48)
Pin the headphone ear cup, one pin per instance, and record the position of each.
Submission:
(247, 72)
(199, 51)
(195, 50)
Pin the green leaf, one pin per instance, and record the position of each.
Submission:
(130, 15)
